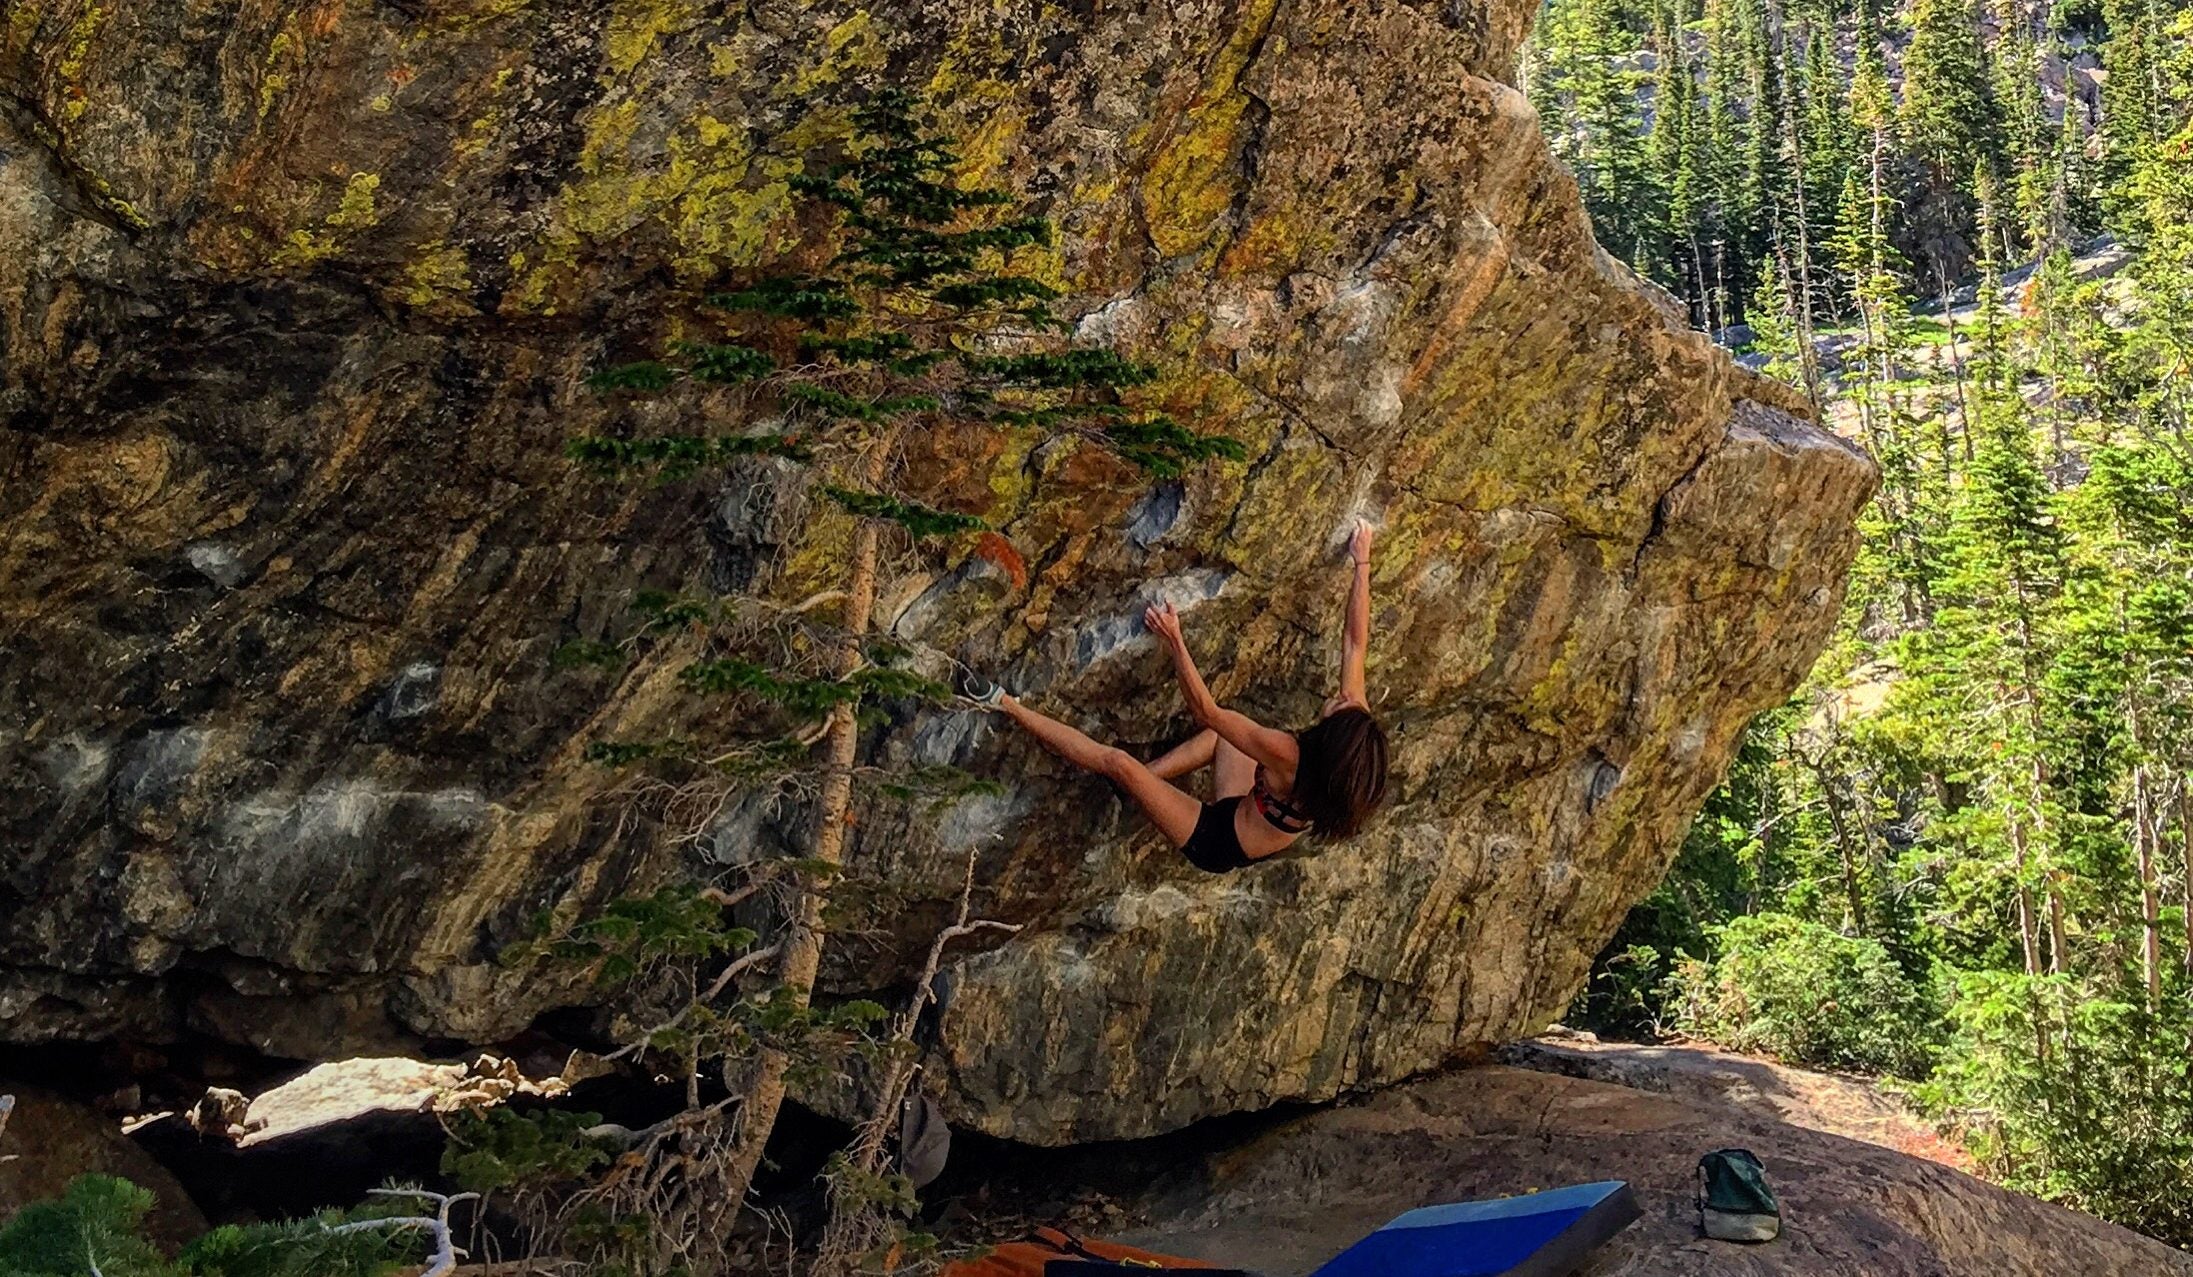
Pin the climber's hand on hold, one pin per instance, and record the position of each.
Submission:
(1359, 542)
(1163, 621)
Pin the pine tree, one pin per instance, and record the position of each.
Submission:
(1730, 215)
(919, 325)
(2015, 823)
(1589, 88)
(2133, 114)
(1675, 151)
(1948, 121)
(2028, 140)
(1767, 161)
(1828, 141)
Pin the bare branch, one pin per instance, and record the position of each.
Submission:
(744, 962)
(741, 963)
(445, 1244)
(726, 899)
(854, 1224)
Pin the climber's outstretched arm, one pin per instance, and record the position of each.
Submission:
(1356, 639)
(1273, 748)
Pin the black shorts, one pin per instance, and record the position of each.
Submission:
(1214, 847)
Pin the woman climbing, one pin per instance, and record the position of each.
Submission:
(1270, 786)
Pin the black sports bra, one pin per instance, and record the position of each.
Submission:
(1276, 811)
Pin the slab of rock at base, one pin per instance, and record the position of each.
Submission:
(1836, 1103)
(49, 1141)
(1300, 1194)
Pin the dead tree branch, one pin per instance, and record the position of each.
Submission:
(445, 1243)
(855, 1224)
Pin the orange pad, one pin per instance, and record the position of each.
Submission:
(1026, 1258)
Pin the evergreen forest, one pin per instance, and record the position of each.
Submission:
(1961, 858)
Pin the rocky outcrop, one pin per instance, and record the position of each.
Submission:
(1297, 1195)
(294, 298)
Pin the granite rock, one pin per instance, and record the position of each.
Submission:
(295, 300)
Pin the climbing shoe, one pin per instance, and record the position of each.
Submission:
(981, 691)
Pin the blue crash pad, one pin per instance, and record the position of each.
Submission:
(1546, 1234)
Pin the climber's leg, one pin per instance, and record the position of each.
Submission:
(1233, 773)
(1194, 752)
(1170, 809)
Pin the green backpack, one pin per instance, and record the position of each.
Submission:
(1734, 1202)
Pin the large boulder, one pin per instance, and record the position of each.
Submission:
(294, 302)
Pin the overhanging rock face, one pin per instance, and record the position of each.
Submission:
(295, 301)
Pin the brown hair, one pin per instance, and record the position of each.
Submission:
(1341, 776)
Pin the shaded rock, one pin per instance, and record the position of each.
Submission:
(320, 291)
(48, 1141)
(1301, 1193)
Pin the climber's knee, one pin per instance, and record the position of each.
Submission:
(1116, 763)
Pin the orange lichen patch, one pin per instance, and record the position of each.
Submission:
(998, 550)
(320, 22)
(1470, 282)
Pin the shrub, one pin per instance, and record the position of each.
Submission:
(1808, 994)
(95, 1226)
(2075, 1093)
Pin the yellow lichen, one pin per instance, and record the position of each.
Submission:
(78, 51)
(478, 13)
(357, 209)
(1187, 186)
(488, 123)
(302, 248)
(271, 80)
(439, 279)
(701, 184)
(383, 104)
(718, 199)
(853, 44)
(75, 56)
(635, 26)
(23, 23)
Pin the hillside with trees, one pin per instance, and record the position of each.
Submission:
(1962, 856)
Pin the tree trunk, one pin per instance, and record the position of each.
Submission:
(2185, 835)
(2029, 938)
(2057, 944)
(1956, 363)
(2144, 831)
(1853, 899)
(1808, 358)
(803, 930)
(2028, 930)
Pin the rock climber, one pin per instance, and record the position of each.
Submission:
(1269, 786)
